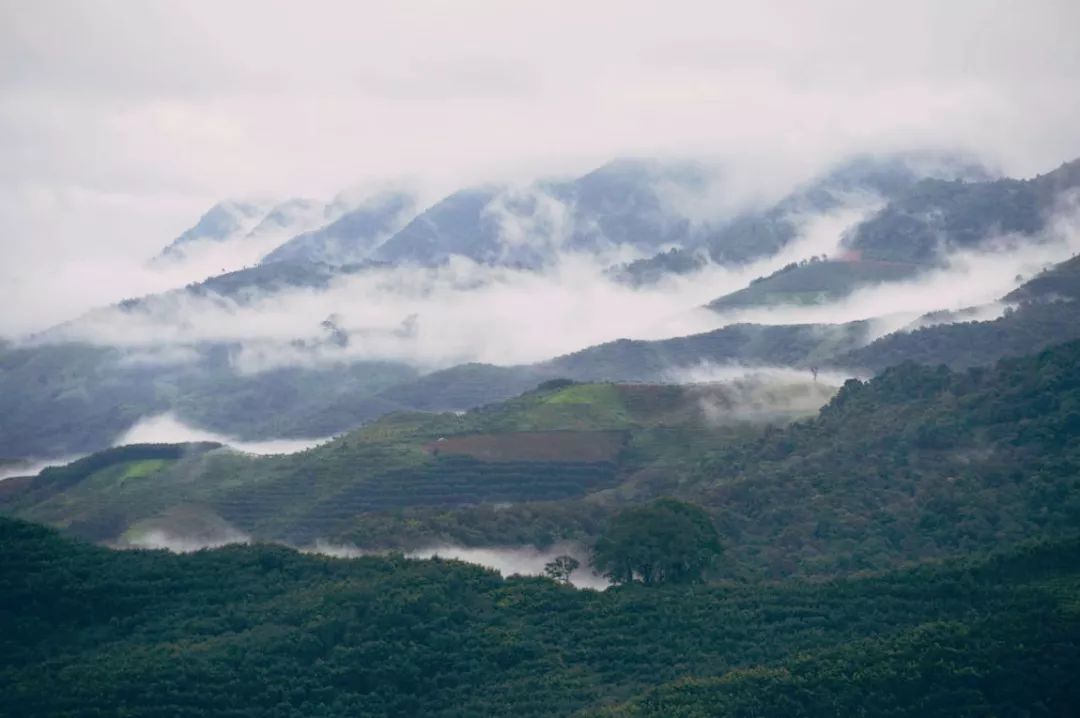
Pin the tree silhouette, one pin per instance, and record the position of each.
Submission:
(561, 567)
(667, 541)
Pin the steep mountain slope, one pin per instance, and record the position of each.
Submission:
(454, 225)
(763, 232)
(352, 237)
(233, 235)
(103, 390)
(222, 222)
(815, 281)
(1059, 283)
(916, 231)
(935, 217)
(627, 203)
(1040, 313)
(1023, 329)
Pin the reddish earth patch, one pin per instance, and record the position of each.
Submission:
(583, 446)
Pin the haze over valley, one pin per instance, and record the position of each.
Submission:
(531, 359)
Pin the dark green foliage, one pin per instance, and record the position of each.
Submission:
(666, 541)
(554, 384)
(1019, 331)
(448, 481)
(264, 631)
(1061, 282)
(56, 479)
(561, 568)
(941, 670)
(561, 443)
(916, 463)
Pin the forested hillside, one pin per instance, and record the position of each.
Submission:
(915, 463)
(1038, 314)
(919, 462)
(264, 631)
(561, 441)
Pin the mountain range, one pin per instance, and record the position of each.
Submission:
(73, 389)
(847, 420)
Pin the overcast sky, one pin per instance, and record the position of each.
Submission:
(121, 121)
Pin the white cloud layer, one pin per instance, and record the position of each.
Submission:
(167, 429)
(456, 313)
(121, 121)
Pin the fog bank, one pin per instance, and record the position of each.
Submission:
(167, 429)
(507, 560)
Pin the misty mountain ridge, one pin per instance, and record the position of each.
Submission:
(82, 398)
(924, 225)
(637, 205)
(224, 221)
(640, 204)
(206, 351)
(353, 236)
(763, 231)
(235, 234)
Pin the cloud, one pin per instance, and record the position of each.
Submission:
(524, 560)
(432, 317)
(179, 543)
(737, 393)
(32, 467)
(121, 121)
(969, 280)
(507, 560)
(167, 429)
(462, 311)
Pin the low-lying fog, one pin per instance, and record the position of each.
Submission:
(31, 467)
(167, 429)
(970, 280)
(759, 394)
(507, 560)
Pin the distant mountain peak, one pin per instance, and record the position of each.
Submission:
(353, 235)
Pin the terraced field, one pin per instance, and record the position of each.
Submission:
(561, 442)
(526, 446)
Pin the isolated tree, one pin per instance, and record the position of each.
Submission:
(667, 541)
(561, 567)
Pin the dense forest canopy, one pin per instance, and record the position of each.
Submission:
(265, 631)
